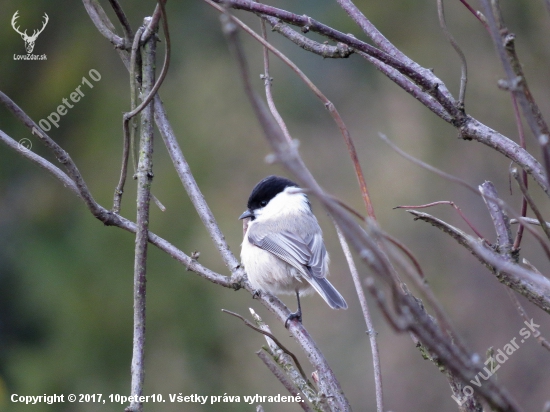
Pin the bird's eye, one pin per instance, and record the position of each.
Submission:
(263, 203)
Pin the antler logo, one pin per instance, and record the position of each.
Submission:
(29, 40)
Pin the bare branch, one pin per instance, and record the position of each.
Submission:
(43, 163)
(144, 179)
(367, 249)
(195, 194)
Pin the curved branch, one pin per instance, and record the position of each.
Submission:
(119, 221)
(61, 155)
(103, 24)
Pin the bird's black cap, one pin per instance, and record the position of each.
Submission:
(266, 190)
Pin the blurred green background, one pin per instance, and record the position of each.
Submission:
(66, 280)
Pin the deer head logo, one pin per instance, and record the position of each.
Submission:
(29, 40)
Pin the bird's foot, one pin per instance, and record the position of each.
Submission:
(293, 316)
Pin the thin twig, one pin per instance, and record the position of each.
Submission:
(529, 199)
(476, 13)
(128, 34)
(128, 134)
(272, 337)
(152, 25)
(523, 144)
(458, 50)
(407, 252)
(529, 221)
(368, 320)
(267, 83)
(279, 374)
(446, 202)
(427, 166)
(43, 163)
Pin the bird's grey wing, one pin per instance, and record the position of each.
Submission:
(290, 248)
(308, 256)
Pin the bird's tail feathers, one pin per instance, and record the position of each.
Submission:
(328, 292)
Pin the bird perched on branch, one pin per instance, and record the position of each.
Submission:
(283, 249)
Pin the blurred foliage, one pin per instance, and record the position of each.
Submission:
(66, 280)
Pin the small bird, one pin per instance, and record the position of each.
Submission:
(283, 249)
